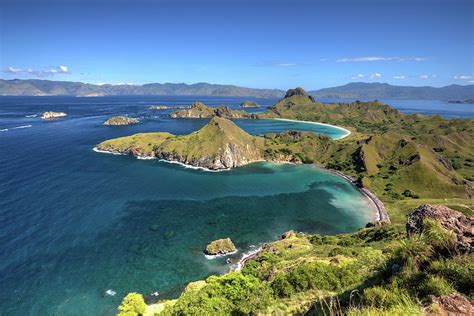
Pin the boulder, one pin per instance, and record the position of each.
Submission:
(220, 247)
(288, 234)
(454, 304)
(449, 219)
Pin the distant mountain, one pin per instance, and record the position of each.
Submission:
(363, 90)
(355, 90)
(19, 87)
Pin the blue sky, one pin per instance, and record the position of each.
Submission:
(261, 44)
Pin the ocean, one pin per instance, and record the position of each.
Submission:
(75, 223)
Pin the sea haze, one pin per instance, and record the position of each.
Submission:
(74, 223)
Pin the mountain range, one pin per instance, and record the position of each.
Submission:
(354, 90)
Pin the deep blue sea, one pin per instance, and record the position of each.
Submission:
(74, 223)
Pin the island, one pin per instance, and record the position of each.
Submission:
(249, 104)
(220, 247)
(466, 101)
(53, 115)
(200, 110)
(167, 107)
(121, 120)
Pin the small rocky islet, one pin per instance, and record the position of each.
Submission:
(168, 107)
(49, 115)
(220, 247)
(121, 120)
(249, 104)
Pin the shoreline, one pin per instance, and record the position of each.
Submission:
(348, 132)
(382, 215)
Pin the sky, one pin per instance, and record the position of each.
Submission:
(258, 44)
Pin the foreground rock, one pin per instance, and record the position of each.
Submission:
(121, 120)
(200, 110)
(220, 144)
(52, 115)
(449, 219)
(220, 247)
(453, 304)
(249, 104)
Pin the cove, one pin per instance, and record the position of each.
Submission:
(75, 223)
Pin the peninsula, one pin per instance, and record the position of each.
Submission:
(200, 110)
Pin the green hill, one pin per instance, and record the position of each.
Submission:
(220, 144)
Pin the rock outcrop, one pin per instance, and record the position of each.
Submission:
(200, 110)
(449, 219)
(297, 92)
(220, 247)
(249, 104)
(453, 304)
(121, 120)
(52, 115)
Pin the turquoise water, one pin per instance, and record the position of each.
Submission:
(75, 223)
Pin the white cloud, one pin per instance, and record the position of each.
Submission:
(399, 77)
(54, 70)
(375, 76)
(424, 77)
(463, 77)
(359, 76)
(378, 58)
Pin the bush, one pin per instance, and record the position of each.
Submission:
(232, 293)
(413, 252)
(435, 285)
(442, 240)
(381, 297)
(132, 305)
(281, 286)
(410, 194)
(458, 271)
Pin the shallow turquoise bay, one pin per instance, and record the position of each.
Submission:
(75, 223)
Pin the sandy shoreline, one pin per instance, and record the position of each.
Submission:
(348, 132)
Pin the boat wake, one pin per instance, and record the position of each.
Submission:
(17, 127)
(32, 115)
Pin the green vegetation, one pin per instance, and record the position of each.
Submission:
(249, 104)
(220, 246)
(377, 270)
(132, 305)
(200, 110)
(121, 120)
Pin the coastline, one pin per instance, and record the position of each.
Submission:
(348, 132)
(382, 215)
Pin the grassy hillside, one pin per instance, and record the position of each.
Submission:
(377, 270)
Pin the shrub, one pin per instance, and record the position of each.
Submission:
(281, 286)
(413, 252)
(232, 293)
(382, 297)
(132, 305)
(435, 285)
(441, 239)
(458, 271)
(410, 194)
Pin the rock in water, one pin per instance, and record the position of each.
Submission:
(220, 247)
(121, 120)
(52, 115)
(249, 104)
(449, 219)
